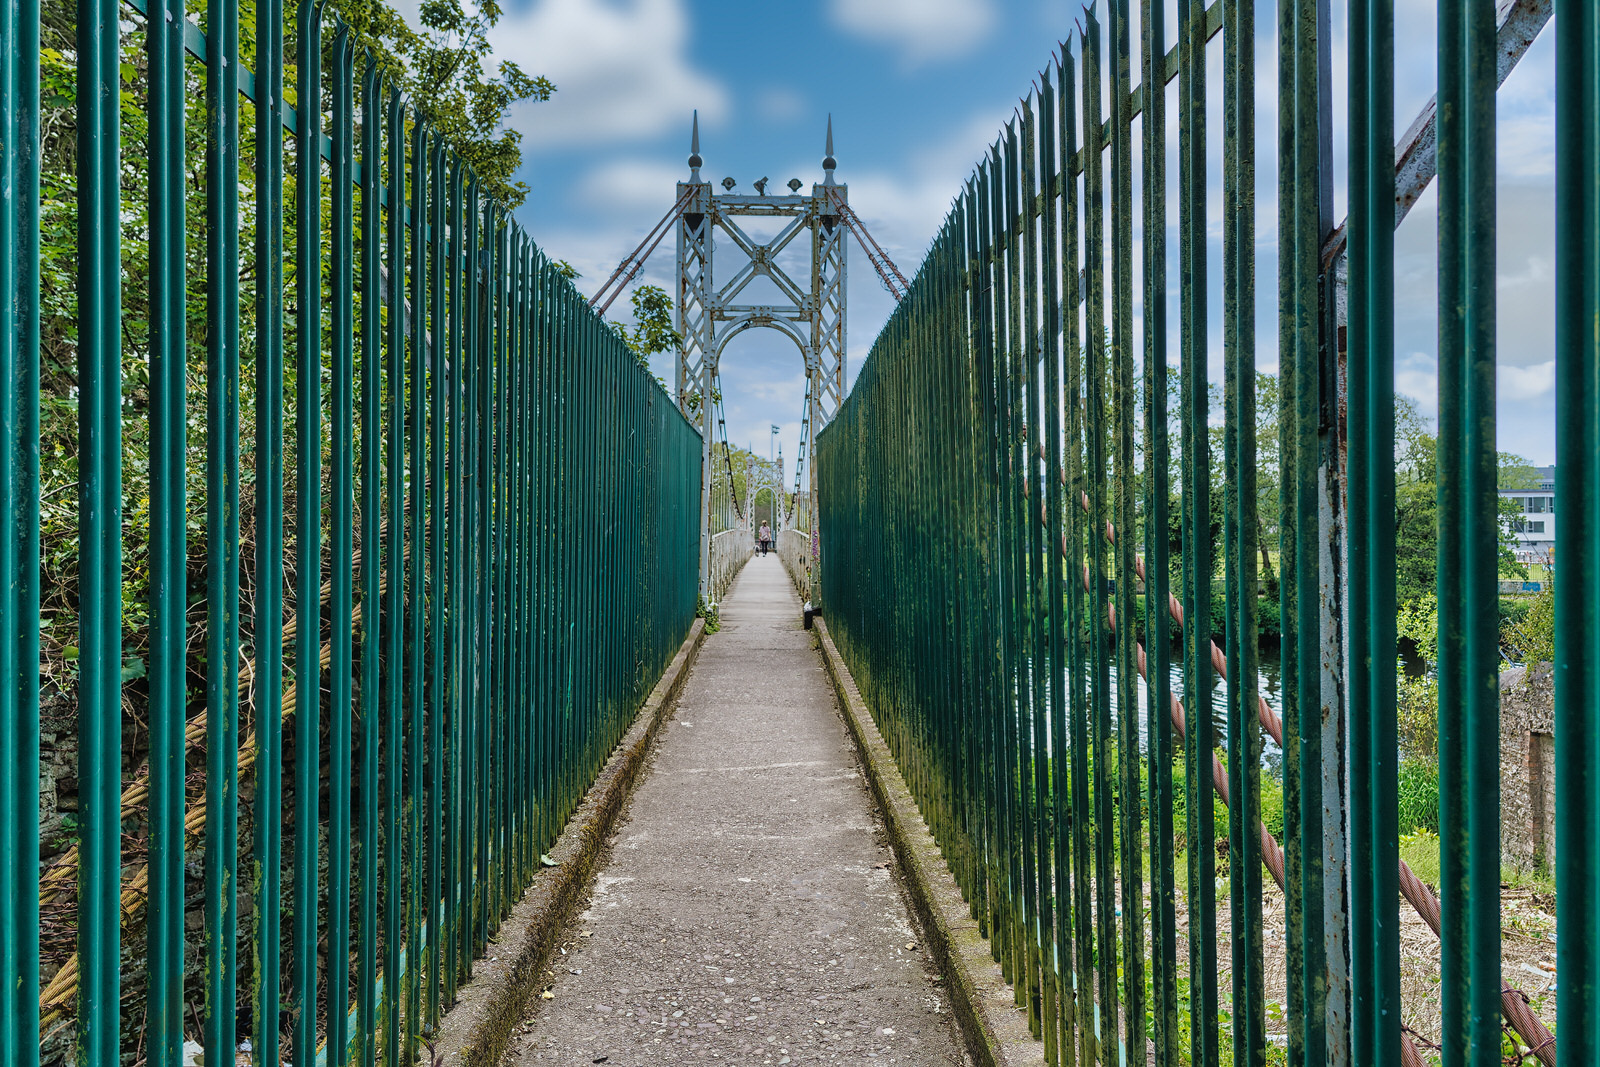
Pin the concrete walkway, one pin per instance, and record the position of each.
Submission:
(747, 912)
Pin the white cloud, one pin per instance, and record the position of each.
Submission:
(1525, 383)
(780, 105)
(921, 29)
(633, 185)
(621, 69)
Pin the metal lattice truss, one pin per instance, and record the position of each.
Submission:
(710, 314)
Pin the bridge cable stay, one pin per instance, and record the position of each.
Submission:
(800, 461)
(893, 280)
(634, 262)
(727, 459)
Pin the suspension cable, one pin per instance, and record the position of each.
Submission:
(890, 274)
(630, 267)
(727, 458)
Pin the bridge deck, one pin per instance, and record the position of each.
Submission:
(746, 911)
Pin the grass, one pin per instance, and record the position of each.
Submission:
(1420, 850)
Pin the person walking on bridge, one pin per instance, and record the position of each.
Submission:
(765, 537)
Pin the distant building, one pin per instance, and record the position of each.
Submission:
(1535, 529)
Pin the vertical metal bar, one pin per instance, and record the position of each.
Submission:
(1287, 546)
(1096, 341)
(518, 685)
(1239, 357)
(1577, 665)
(1300, 195)
(1129, 829)
(395, 576)
(1002, 898)
(456, 858)
(1024, 385)
(437, 582)
(168, 524)
(496, 705)
(222, 521)
(471, 372)
(268, 623)
(417, 507)
(308, 527)
(371, 510)
(341, 664)
(100, 532)
(1057, 175)
(1052, 476)
(483, 307)
(494, 535)
(1468, 544)
(19, 533)
(1077, 668)
(1157, 538)
(1197, 562)
(1374, 744)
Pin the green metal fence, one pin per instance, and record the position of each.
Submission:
(443, 631)
(1014, 517)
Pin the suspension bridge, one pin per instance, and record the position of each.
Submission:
(387, 564)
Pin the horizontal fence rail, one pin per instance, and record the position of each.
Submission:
(1025, 512)
(342, 622)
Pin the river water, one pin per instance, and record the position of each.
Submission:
(1271, 690)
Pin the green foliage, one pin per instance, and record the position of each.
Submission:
(711, 613)
(442, 68)
(1417, 708)
(652, 330)
(1272, 811)
(1531, 636)
(1417, 505)
(444, 71)
(1417, 698)
(1419, 796)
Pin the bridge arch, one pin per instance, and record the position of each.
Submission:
(789, 329)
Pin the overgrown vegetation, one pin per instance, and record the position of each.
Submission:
(445, 70)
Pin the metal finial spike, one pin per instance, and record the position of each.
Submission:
(695, 162)
(828, 162)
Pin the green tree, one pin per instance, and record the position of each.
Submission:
(652, 330)
(442, 70)
(1417, 505)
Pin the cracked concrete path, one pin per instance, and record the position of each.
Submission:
(747, 912)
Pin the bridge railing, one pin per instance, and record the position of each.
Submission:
(794, 549)
(1010, 463)
(730, 550)
(307, 548)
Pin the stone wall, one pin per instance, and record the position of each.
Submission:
(1527, 774)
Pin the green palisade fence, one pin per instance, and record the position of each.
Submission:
(385, 627)
(1015, 498)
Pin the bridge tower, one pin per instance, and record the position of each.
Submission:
(710, 312)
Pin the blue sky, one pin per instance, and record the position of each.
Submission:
(917, 89)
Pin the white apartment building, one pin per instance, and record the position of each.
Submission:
(1536, 529)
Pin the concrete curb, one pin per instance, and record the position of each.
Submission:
(994, 1030)
(478, 1030)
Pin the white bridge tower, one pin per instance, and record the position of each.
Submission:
(711, 313)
